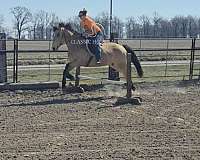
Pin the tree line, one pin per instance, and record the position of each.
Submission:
(39, 26)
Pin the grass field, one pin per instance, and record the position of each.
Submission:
(151, 74)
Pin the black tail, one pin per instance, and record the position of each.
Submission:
(135, 60)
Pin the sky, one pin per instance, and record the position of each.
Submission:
(121, 8)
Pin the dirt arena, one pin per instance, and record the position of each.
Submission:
(55, 125)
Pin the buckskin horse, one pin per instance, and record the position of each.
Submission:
(112, 54)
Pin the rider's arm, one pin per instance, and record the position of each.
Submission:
(93, 30)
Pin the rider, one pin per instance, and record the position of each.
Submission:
(94, 33)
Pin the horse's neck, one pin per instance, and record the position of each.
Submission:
(74, 41)
(75, 45)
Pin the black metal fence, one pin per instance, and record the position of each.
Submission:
(35, 61)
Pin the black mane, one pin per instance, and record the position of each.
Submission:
(68, 26)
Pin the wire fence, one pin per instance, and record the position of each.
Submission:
(161, 59)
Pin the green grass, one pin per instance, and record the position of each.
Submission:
(151, 73)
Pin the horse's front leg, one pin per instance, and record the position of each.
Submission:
(66, 74)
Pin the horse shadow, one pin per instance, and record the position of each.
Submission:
(116, 101)
(57, 102)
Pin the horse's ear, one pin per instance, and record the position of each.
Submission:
(61, 25)
(55, 28)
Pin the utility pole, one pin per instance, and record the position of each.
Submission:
(112, 73)
(111, 6)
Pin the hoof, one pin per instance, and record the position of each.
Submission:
(133, 88)
(71, 84)
(63, 84)
(81, 90)
(72, 78)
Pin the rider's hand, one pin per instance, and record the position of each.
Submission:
(85, 35)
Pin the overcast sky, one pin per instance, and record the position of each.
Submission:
(121, 8)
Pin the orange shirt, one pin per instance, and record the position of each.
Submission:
(88, 24)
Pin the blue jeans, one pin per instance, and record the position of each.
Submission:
(94, 44)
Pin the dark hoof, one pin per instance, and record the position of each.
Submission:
(63, 84)
(80, 89)
(133, 87)
(72, 78)
(70, 84)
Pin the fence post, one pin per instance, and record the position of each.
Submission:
(49, 65)
(77, 79)
(129, 82)
(112, 73)
(192, 59)
(166, 65)
(3, 59)
(15, 62)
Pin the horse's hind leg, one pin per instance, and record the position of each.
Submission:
(66, 74)
(123, 70)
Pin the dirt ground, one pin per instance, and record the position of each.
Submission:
(55, 125)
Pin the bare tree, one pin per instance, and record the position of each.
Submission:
(198, 26)
(33, 27)
(54, 20)
(175, 26)
(1, 23)
(41, 24)
(117, 26)
(132, 28)
(103, 19)
(22, 17)
(165, 28)
(193, 26)
(145, 22)
(183, 23)
(48, 28)
(156, 24)
(75, 22)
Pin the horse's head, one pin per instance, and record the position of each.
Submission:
(62, 34)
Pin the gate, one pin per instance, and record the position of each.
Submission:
(194, 68)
